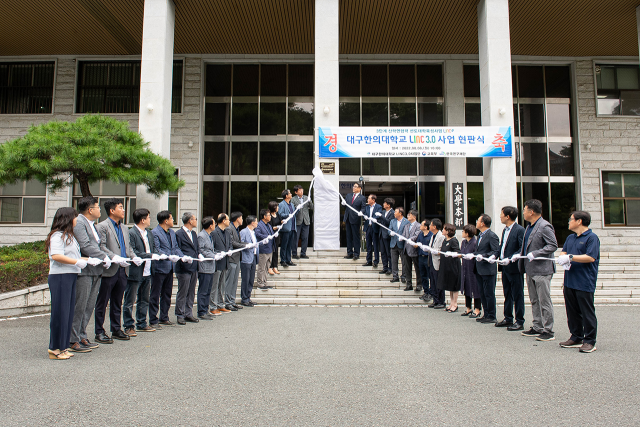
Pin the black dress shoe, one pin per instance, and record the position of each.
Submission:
(206, 316)
(479, 319)
(403, 280)
(515, 327)
(284, 264)
(181, 321)
(253, 304)
(355, 258)
(304, 257)
(191, 319)
(418, 288)
(237, 306)
(432, 305)
(439, 306)
(375, 265)
(488, 321)
(120, 335)
(295, 257)
(368, 264)
(408, 288)
(292, 264)
(388, 272)
(247, 304)
(167, 323)
(383, 272)
(348, 257)
(231, 308)
(503, 323)
(103, 338)
(264, 288)
(394, 280)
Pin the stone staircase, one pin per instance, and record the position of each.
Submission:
(326, 278)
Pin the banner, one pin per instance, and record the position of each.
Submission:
(467, 141)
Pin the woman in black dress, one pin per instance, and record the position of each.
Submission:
(276, 220)
(469, 286)
(449, 273)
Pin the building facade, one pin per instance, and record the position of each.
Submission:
(232, 94)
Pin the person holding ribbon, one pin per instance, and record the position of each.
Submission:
(449, 271)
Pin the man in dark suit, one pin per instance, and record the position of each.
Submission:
(221, 243)
(231, 280)
(114, 241)
(486, 272)
(352, 221)
(139, 280)
(187, 269)
(164, 241)
(512, 279)
(206, 269)
(397, 246)
(385, 237)
(372, 230)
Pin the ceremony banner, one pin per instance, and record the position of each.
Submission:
(468, 141)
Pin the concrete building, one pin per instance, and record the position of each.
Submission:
(231, 92)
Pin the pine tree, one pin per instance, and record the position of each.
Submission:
(91, 149)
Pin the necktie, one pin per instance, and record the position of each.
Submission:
(354, 198)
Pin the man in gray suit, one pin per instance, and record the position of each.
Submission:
(231, 279)
(114, 241)
(88, 282)
(206, 269)
(539, 241)
(410, 257)
(303, 219)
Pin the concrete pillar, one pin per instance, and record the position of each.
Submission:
(155, 89)
(638, 23)
(327, 72)
(455, 168)
(494, 47)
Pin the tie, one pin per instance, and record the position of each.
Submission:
(354, 198)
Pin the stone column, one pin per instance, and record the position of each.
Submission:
(155, 89)
(326, 103)
(455, 168)
(494, 47)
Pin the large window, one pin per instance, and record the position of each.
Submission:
(618, 89)
(26, 87)
(258, 134)
(114, 87)
(391, 95)
(23, 203)
(621, 198)
(543, 138)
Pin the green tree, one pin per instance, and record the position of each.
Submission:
(91, 149)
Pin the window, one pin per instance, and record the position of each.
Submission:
(621, 198)
(23, 203)
(26, 87)
(618, 90)
(114, 87)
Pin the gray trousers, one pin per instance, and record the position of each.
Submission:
(87, 288)
(541, 307)
(264, 262)
(186, 293)
(217, 286)
(231, 283)
(396, 254)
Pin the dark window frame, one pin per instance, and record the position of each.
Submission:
(623, 198)
(8, 106)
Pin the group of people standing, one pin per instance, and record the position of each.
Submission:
(517, 253)
(93, 266)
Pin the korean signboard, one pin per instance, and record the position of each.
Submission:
(457, 191)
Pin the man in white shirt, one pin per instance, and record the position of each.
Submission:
(249, 260)
(139, 279)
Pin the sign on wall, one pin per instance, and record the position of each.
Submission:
(468, 141)
(457, 191)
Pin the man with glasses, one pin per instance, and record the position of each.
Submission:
(88, 283)
(581, 251)
(352, 221)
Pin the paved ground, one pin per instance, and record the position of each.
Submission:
(326, 366)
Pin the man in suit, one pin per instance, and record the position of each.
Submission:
(303, 220)
(249, 259)
(288, 231)
(539, 241)
(434, 264)
(164, 241)
(221, 243)
(410, 259)
(231, 279)
(512, 279)
(139, 280)
(206, 269)
(352, 221)
(114, 241)
(424, 237)
(372, 230)
(186, 269)
(486, 272)
(385, 238)
(263, 231)
(397, 246)
(88, 283)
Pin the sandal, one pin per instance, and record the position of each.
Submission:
(454, 310)
(58, 356)
(466, 313)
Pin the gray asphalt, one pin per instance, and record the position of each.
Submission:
(326, 366)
